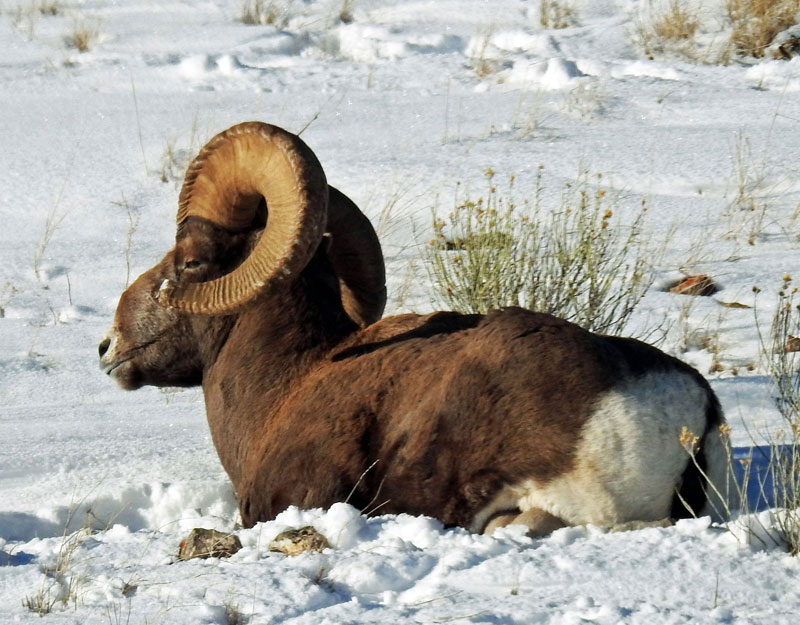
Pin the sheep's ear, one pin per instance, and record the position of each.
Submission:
(203, 250)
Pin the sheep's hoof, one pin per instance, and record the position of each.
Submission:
(539, 522)
(203, 543)
(293, 542)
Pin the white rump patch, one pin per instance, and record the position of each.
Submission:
(629, 460)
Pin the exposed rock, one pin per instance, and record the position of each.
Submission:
(695, 285)
(204, 543)
(293, 542)
(785, 45)
(792, 344)
(788, 49)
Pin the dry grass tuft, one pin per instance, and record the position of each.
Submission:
(59, 581)
(586, 101)
(671, 29)
(757, 22)
(41, 602)
(346, 11)
(51, 224)
(481, 61)
(176, 159)
(49, 7)
(747, 212)
(677, 23)
(84, 36)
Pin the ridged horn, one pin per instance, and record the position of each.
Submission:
(357, 257)
(225, 184)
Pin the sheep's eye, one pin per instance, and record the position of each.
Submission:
(192, 264)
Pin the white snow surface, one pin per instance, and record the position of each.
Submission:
(93, 149)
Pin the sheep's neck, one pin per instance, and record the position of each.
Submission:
(271, 345)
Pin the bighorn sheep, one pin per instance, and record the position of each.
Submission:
(477, 420)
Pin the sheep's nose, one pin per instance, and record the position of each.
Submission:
(103, 348)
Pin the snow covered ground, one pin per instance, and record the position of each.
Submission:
(400, 104)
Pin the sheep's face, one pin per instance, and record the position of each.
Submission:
(149, 344)
(152, 345)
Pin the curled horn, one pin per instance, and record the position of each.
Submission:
(225, 184)
(357, 257)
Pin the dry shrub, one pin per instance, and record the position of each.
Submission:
(556, 14)
(574, 261)
(757, 22)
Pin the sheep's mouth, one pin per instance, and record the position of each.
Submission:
(125, 373)
(111, 367)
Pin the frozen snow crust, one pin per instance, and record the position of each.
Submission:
(401, 105)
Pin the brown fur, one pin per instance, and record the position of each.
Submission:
(446, 408)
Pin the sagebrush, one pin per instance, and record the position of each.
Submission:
(574, 260)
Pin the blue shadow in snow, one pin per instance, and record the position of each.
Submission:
(760, 487)
(16, 559)
(22, 527)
